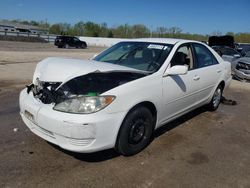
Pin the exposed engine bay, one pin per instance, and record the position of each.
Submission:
(92, 84)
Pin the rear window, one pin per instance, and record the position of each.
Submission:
(228, 51)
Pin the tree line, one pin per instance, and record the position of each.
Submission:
(92, 29)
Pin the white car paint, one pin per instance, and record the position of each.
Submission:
(59, 69)
(172, 96)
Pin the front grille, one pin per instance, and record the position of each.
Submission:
(242, 65)
(45, 91)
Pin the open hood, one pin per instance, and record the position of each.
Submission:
(55, 69)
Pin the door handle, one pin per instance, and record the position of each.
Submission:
(196, 78)
(218, 71)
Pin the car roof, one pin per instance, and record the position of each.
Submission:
(162, 40)
(65, 36)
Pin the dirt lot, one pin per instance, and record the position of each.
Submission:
(201, 149)
(18, 59)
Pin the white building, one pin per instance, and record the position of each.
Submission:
(7, 26)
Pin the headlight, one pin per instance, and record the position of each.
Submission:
(84, 104)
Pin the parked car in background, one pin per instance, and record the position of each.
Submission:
(227, 53)
(241, 67)
(120, 97)
(226, 40)
(245, 48)
(69, 41)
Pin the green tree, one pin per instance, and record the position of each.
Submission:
(140, 30)
(55, 29)
(161, 31)
(110, 34)
(91, 29)
(125, 31)
(79, 29)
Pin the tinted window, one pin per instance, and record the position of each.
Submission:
(203, 56)
(76, 39)
(228, 51)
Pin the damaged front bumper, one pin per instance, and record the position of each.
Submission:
(82, 133)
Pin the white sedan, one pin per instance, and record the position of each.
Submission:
(121, 96)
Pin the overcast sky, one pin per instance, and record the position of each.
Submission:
(195, 16)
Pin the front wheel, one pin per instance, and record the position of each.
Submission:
(135, 132)
(215, 102)
(84, 45)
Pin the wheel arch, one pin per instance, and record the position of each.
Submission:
(151, 106)
(222, 84)
(148, 105)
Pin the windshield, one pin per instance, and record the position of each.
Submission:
(143, 56)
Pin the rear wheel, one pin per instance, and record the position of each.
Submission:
(215, 102)
(135, 132)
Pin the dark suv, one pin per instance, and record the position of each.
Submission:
(68, 41)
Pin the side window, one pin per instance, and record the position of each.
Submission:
(76, 39)
(183, 56)
(203, 56)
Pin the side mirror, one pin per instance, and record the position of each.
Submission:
(176, 70)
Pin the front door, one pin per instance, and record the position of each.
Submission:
(180, 91)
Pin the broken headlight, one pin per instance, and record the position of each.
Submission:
(84, 104)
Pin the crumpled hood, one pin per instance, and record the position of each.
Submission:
(244, 59)
(55, 69)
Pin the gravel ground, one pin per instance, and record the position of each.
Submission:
(200, 149)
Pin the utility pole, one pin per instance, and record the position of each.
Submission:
(46, 25)
(151, 31)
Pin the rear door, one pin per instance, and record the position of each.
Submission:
(208, 69)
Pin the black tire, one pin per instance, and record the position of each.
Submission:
(215, 101)
(135, 132)
(84, 45)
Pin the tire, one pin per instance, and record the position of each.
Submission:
(135, 132)
(215, 101)
(83, 46)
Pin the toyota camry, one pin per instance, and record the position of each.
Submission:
(118, 98)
